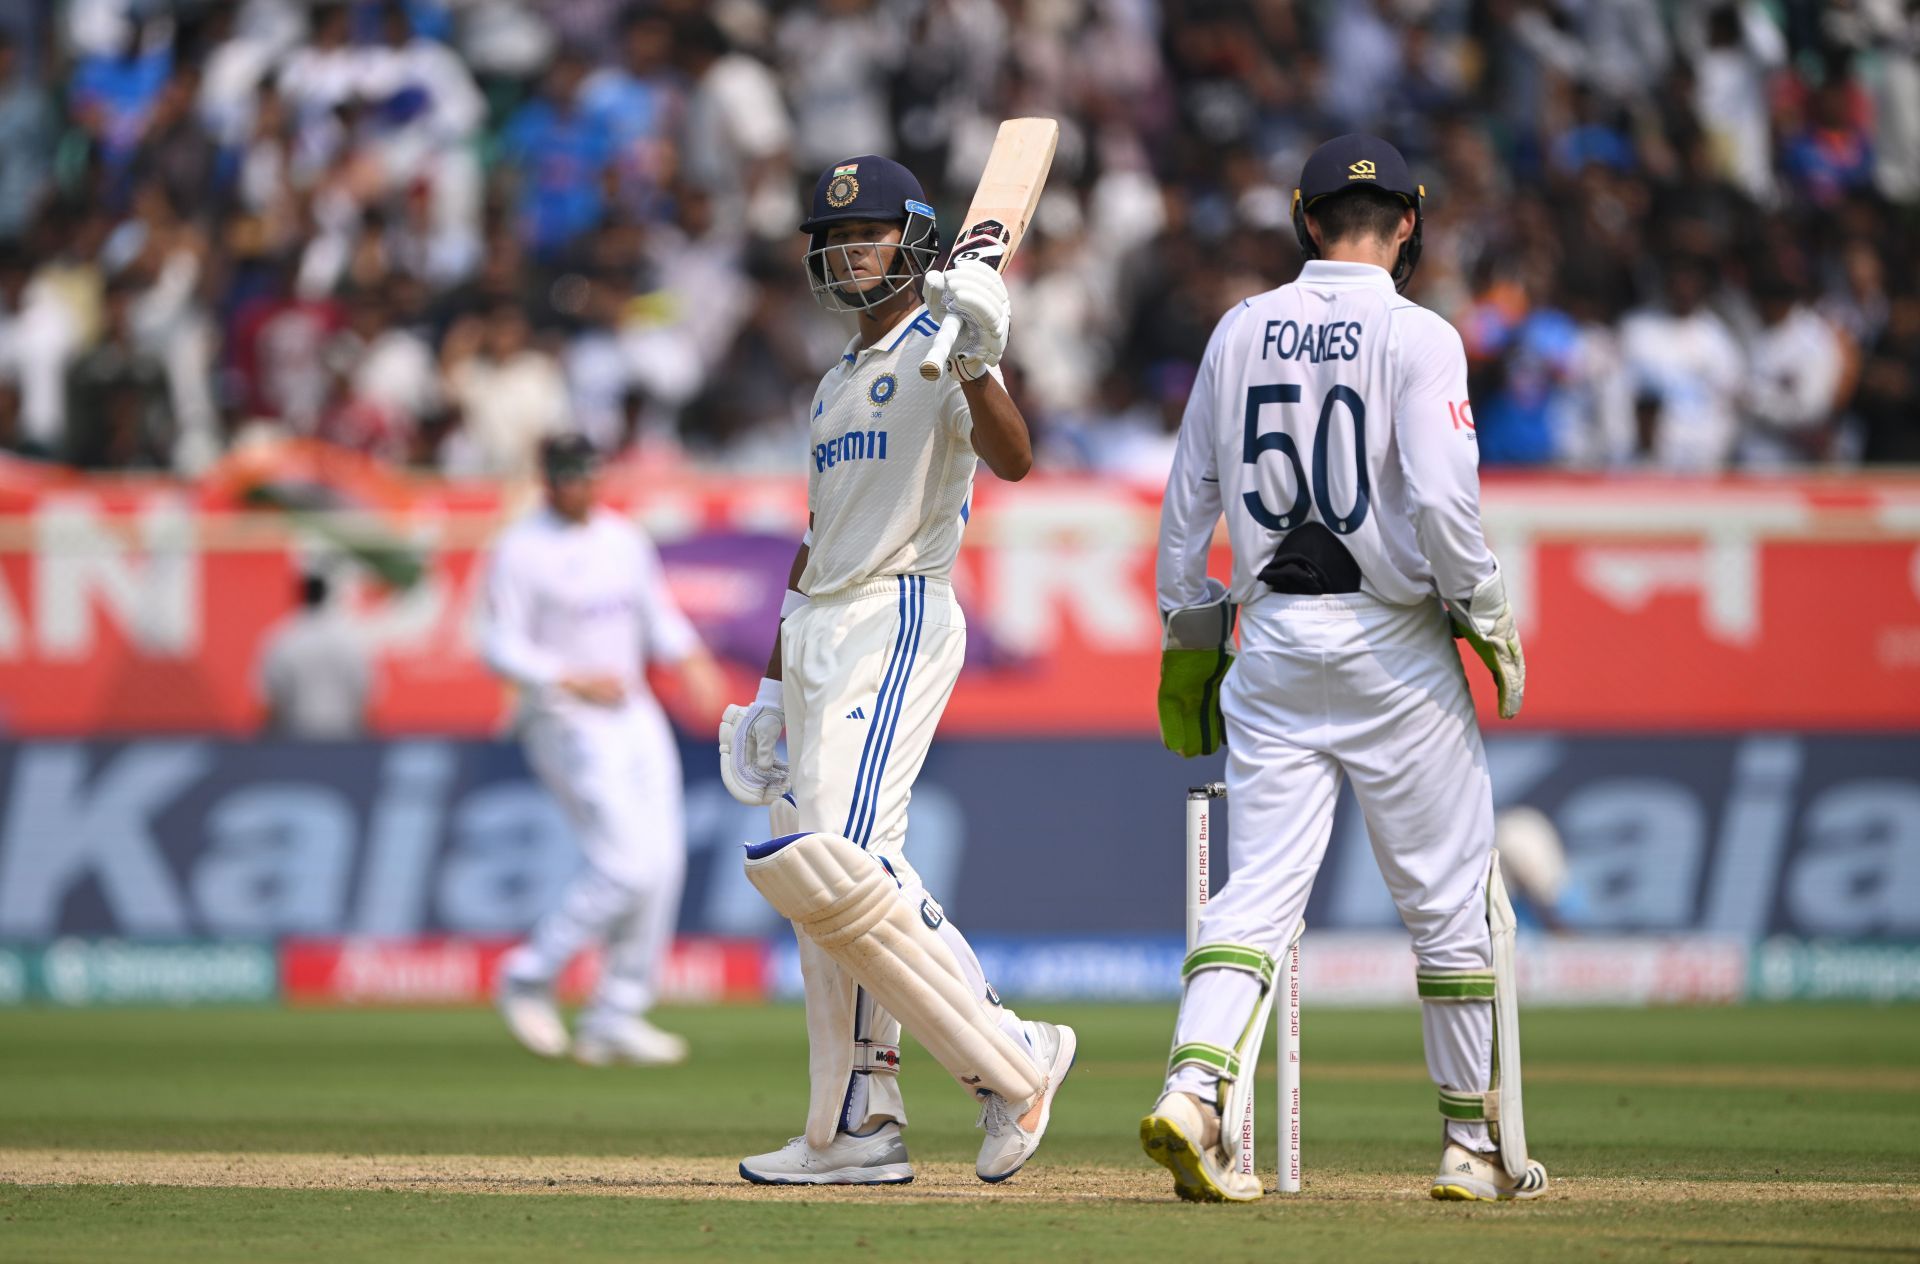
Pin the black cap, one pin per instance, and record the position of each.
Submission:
(1353, 161)
(867, 187)
(566, 456)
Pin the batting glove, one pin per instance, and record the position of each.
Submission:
(1485, 621)
(749, 739)
(977, 294)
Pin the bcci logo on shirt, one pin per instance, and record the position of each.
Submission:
(883, 388)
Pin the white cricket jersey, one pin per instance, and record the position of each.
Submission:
(890, 473)
(1330, 399)
(575, 599)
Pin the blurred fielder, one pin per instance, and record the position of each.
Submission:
(870, 644)
(1330, 422)
(578, 604)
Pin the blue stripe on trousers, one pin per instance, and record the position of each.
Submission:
(867, 751)
(918, 587)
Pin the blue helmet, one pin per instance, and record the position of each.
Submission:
(869, 187)
(1359, 161)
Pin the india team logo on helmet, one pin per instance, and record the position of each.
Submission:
(844, 188)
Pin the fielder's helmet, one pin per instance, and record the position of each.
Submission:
(869, 187)
(1356, 161)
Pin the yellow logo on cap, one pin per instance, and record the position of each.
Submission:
(1362, 170)
(842, 191)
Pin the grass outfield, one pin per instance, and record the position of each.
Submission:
(1766, 1133)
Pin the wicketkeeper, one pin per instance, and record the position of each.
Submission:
(1330, 422)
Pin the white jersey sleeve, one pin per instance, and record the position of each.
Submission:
(508, 643)
(1191, 510)
(1439, 457)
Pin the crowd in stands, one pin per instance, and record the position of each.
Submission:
(1676, 235)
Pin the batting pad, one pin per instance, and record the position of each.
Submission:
(841, 899)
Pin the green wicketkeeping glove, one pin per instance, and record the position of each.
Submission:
(1194, 656)
(1485, 621)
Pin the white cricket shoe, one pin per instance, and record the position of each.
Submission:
(1183, 1136)
(878, 1158)
(1011, 1140)
(532, 1017)
(631, 1041)
(1465, 1176)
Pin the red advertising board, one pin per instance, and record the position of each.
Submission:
(130, 606)
(455, 970)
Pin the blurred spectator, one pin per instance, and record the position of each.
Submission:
(737, 130)
(322, 74)
(838, 56)
(394, 369)
(118, 414)
(175, 151)
(13, 293)
(114, 89)
(1832, 154)
(1687, 369)
(27, 136)
(278, 348)
(13, 438)
(561, 151)
(315, 673)
(1793, 385)
(509, 393)
(596, 364)
(1593, 420)
(1857, 302)
(1889, 403)
(1735, 48)
(637, 102)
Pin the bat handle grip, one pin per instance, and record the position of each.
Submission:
(936, 361)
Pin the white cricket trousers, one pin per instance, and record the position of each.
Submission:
(867, 673)
(1335, 686)
(616, 773)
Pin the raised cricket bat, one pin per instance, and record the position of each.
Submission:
(1002, 206)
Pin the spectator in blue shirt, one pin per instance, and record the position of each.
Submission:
(635, 102)
(112, 96)
(561, 152)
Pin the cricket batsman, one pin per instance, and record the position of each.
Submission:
(1330, 423)
(577, 605)
(870, 644)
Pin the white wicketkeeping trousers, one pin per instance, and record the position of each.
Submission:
(1335, 686)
